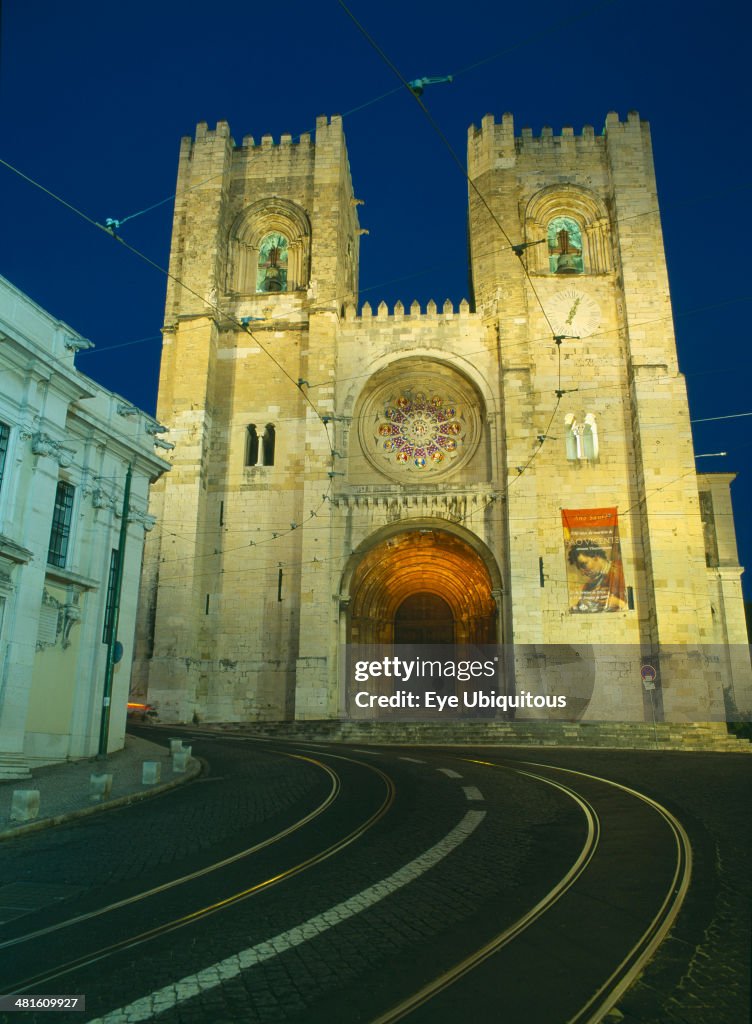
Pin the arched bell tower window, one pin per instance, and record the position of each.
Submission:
(573, 226)
(565, 246)
(269, 249)
(272, 264)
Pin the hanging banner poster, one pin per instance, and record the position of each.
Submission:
(595, 574)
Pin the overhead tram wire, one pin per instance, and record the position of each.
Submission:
(425, 270)
(313, 514)
(118, 223)
(448, 146)
(639, 506)
(600, 334)
(674, 315)
(517, 249)
(114, 224)
(271, 570)
(714, 419)
(162, 270)
(110, 231)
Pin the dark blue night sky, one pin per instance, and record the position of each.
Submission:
(96, 97)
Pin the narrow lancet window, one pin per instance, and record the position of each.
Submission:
(268, 442)
(251, 446)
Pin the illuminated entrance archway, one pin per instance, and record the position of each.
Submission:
(422, 585)
(424, 618)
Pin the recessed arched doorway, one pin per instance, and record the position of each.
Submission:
(423, 585)
(424, 618)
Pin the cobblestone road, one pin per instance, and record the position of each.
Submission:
(699, 976)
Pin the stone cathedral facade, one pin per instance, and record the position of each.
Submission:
(518, 470)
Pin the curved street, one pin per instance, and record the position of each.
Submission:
(327, 883)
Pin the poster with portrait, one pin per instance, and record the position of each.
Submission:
(595, 574)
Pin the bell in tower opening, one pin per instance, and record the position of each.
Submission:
(565, 246)
(272, 264)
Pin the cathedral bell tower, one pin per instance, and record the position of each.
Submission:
(264, 257)
(568, 265)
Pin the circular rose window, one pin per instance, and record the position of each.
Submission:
(424, 425)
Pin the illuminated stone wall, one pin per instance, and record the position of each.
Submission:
(555, 387)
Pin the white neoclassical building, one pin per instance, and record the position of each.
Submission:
(65, 447)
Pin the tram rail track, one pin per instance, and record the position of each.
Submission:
(609, 991)
(193, 875)
(556, 912)
(95, 956)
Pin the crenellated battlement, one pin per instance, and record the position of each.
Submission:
(432, 312)
(494, 146)
(324, 125)
(502, 132)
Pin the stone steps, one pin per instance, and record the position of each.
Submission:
(664, 736)
(13, 766)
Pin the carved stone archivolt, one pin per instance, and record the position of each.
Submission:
(586, 210)
(256, 225)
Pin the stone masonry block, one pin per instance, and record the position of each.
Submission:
(151, 772)
(100, 786)
(24, 805)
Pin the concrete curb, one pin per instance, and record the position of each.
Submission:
(195, 768)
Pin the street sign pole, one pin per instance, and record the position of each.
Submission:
(649, 674)
(104, 724)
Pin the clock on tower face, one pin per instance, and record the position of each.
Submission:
(573, 313)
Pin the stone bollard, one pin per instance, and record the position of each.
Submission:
(151, 773)
(180, 760)
(24, 805)
(100, 786)
(175, 746)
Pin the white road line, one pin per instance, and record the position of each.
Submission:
(449, 773)
(356, 751)
(415, 760)
(224, 970)
(473, 793)
(314, 750)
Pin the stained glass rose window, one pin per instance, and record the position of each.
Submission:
(420, 429)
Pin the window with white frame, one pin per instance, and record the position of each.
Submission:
(62, 517)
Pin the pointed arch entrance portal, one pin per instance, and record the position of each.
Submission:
(422, 586)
